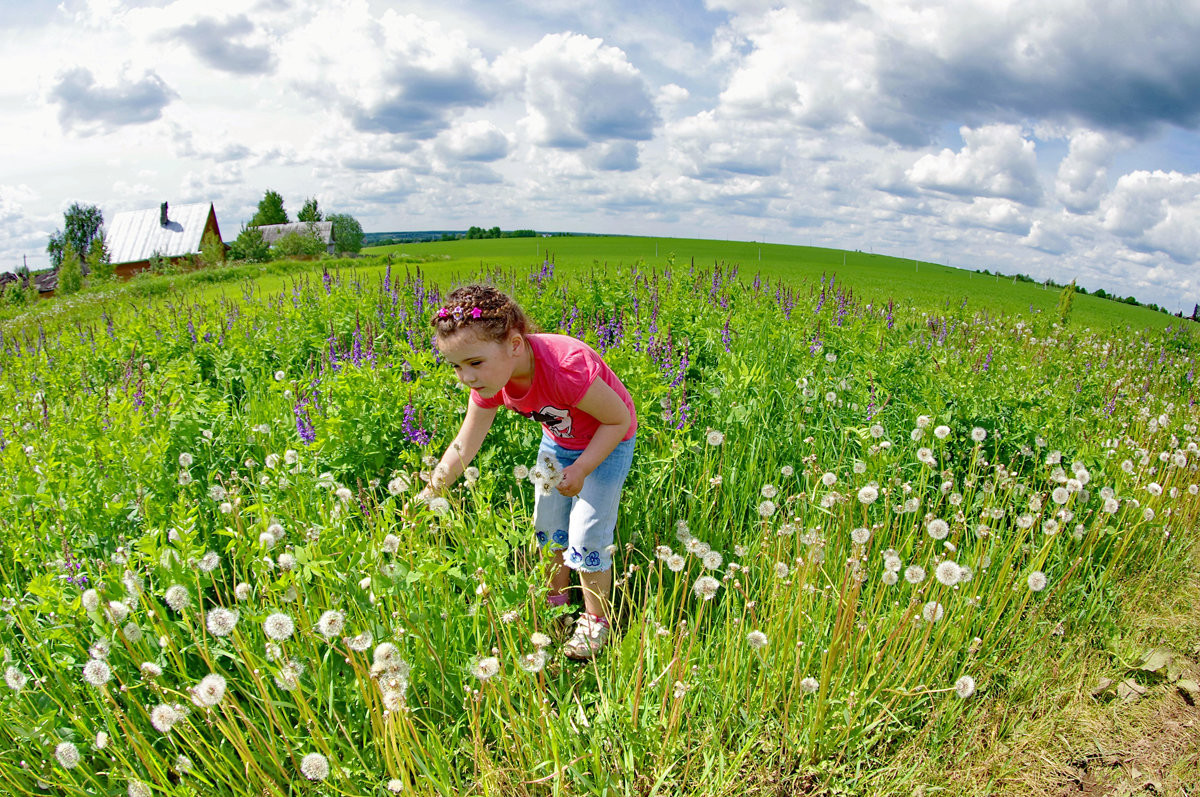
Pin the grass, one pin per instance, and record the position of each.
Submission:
(152, 427)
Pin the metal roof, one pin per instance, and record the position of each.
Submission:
(273, 232)
(137, 234)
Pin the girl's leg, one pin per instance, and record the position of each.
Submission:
(597, 587)
(559, 576)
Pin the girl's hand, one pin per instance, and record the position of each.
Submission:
(572, 481)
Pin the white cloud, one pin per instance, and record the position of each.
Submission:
(577, 91)
(995, 161)
(1156, 211)
(392, 74)
(1000, 215)
(479, 140)
(89, 107)
(1083, 175)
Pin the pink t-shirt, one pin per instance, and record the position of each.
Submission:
(563, 370)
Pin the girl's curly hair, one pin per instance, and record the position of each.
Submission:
(484, 310)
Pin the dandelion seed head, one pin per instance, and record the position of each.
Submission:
(714, 438)
(359, 643)
(941, 432)
(809, 684)
(706, 587)
(67, 754)
(96, 672)
(947, 573)
(209, 562)
(676, 562)
(756, 639)
(150, 670)
(768, 491)
(163, 717)
(782, 570)
(15, 679)
(890, 577)
(91, 600)
(786, 471)
(278, 626)
(1036, 581)
(117, 611)
(539, 640)
(210, 691)
(868, 494)
(964, 687)
(712, 560)
(221, 621)
(314, 766)
(938, 528)
(331, 623)
(533, 662)
(485, 668)
(177, 597)
(979, 434)
(138, 789)
(914, 574)
(932, 612)
(860, 536)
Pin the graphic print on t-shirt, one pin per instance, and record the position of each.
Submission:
(556, 420)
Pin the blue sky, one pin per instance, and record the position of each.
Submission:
(1054, 138)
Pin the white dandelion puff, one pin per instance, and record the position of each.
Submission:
(539, 640)
(314, 766)
(149, 669)
(757, 640)
(676, 562)
(860, 535)
(486, 668)
(706, 587)
(138, 788)
(715, 438)
(210, 691)
(979, 434)
(96, 672)
(278, 626)
(1060, 495)
(1036, 581)
(914, 574)
(941, 432)
(439, 505)
(868, 494)
(242, 591)
(91, 600)
(712, 560)
(766, 509)
(533, 662)
(209, 562)
(67, 754)
(15, 679)
(932, 612)
(938, 528)
(809, 684)
(361, 642)
(890, 577)
(948, 573)
(331, 623)
(177, 597)
(221, 621)
(964, 687)
(163, 717)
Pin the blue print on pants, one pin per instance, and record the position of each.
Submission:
(575, 556)
(560, 537)
(592, 559)
(541, 538)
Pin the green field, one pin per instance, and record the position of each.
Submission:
(888, 524)
(876, 277)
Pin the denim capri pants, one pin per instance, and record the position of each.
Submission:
(582, 525)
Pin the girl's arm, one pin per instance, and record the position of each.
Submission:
(602, 403)
(464, 448)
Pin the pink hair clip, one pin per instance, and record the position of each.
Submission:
(476, 312)
(443, 312)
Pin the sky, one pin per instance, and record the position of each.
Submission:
(1054, 138)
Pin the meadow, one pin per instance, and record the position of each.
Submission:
(859, 505)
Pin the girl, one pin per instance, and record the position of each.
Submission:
(588, 431)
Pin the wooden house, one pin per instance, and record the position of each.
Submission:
(322, 229)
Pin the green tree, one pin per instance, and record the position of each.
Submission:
(347, 233)
(212, 251)
(81, 223)
(70, 273)
(250, 246)
(100, 267)
(270, 210)
(310, 211)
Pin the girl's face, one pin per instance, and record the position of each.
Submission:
(483, 365)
